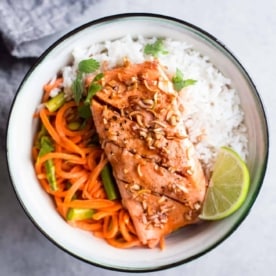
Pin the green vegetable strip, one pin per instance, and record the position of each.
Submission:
(50, 174)
(84, 67)
(42, 132)
(56, 102)
(46, 147)
(74, 125)
(109, 183)
(79, 214)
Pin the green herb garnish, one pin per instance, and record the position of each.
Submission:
(155, 48)
(84, 110)
(85, 66)
(93, 89)
(88, 65)
(77, 88)
(179, 82)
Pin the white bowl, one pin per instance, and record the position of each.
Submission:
(183, 245)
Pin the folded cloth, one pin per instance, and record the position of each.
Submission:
(26, 25)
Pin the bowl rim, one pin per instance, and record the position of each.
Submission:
(212, 38)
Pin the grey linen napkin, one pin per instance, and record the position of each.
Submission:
(27, 24)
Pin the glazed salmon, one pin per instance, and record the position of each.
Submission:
(153, 215)
(137, 115)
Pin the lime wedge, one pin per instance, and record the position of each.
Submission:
(228, 186)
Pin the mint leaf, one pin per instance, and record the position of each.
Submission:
(77, 88)
(155, 48)
(179, 82)
(88, 65)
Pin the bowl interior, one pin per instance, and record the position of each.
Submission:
(182, 245)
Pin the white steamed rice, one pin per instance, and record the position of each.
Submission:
(213, 115)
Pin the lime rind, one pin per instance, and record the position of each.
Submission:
(228, 189)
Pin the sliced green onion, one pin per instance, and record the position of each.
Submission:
(46, 146)
(51, 175)
(79, 214)
(56, 102)
(74, 125)
(109, 183)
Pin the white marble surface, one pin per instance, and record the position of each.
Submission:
(248, 28)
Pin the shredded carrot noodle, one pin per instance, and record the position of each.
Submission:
(77, 165)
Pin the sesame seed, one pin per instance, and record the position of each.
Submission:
(158, 136)
(158, 130)
(197, 206)
(113, 137)
(148, 102)
(139, 170)
(149, 141)
(188, 216)
(162, 199)
(139, 119)
(173, 121)
(189, 172)
(144, 205)
(143, 134)
(171, 169)
(122, 111)
(135, 187)
(163, 125)
(180, 136)
(151, 86)
(169, 114)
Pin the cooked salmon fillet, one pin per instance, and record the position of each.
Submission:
(153, 215)
(137, 115)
